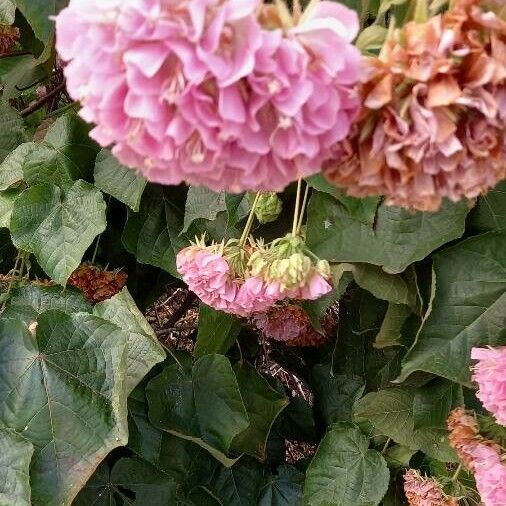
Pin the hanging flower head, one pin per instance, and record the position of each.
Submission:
(433, 123)
(484, 458)
(490, 374)
(213, 93)
(424, 491)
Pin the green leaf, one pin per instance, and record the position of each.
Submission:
(201, 403)
(132, 481)
(144, 350)
(7, 199)
(263, 405)
(202, 203)
(15, 455)
(7, 12)
(178, 458)
(99, 491)
(391, 413)
(217, 331)
(344, 471)
(144, 482)
(490, 429)
(57, 225)
(432, 403)
(283, 488)
(468, 309)
(29, 301)
(12, 130)
(398, 456)
(390, 331)
(11, 169)
(490, 211)
(239, 485)
(153, 234)
(363, 210)
(335, 394)
(66, 154)
(398, 238)
(115, 179)
(38, 14)
(372, 38)
(382, 285)
(64, 390)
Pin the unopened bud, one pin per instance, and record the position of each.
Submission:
(323, 268)
(293, 271)
(268, 208)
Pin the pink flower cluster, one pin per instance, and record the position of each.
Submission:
(490, 475)
(484, 458)
(490, 374)
(200, 91)
(208, 272)
(424, 491)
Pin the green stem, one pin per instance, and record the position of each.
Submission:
(302, 210)
(456, 473)
(11, 281)
(251, 217)
(296, 210)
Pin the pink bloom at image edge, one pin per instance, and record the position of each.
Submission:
(490, 374)
(490, 475)
(200, 92)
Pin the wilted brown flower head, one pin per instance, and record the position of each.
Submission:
(289, 324)
(433, 123)
(97, 284)
(9, 35)
(424, 491)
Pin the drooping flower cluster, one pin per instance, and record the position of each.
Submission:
(291, 325)
(9, 36)
(227, 94)
(490, 374)
(97, 284)
(424, 491)
(484, 458)
(433, 123)
(228, 277)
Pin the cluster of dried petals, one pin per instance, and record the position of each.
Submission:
(424, 491)
(9, 36)
(222, 277)
(484, 458)
(212, 93)
(490, 374)
(433, 122)
(289, 324)
(97, 284)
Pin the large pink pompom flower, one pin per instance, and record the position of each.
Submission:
(201, 92)
(490, 374)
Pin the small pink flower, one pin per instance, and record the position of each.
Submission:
(490, 374)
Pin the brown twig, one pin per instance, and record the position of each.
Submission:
(43, 100)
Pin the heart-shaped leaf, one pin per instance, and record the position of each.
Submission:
(344, 471)
(62, 385)
(57, 225)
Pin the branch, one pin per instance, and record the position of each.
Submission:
(41, 101)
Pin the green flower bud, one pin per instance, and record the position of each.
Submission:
(293, 271)
(268, 207)
(323, 268)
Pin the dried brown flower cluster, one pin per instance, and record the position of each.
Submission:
(97, 284)
(291, 325)
(424, 491)
(433, 124)
(9, 36)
